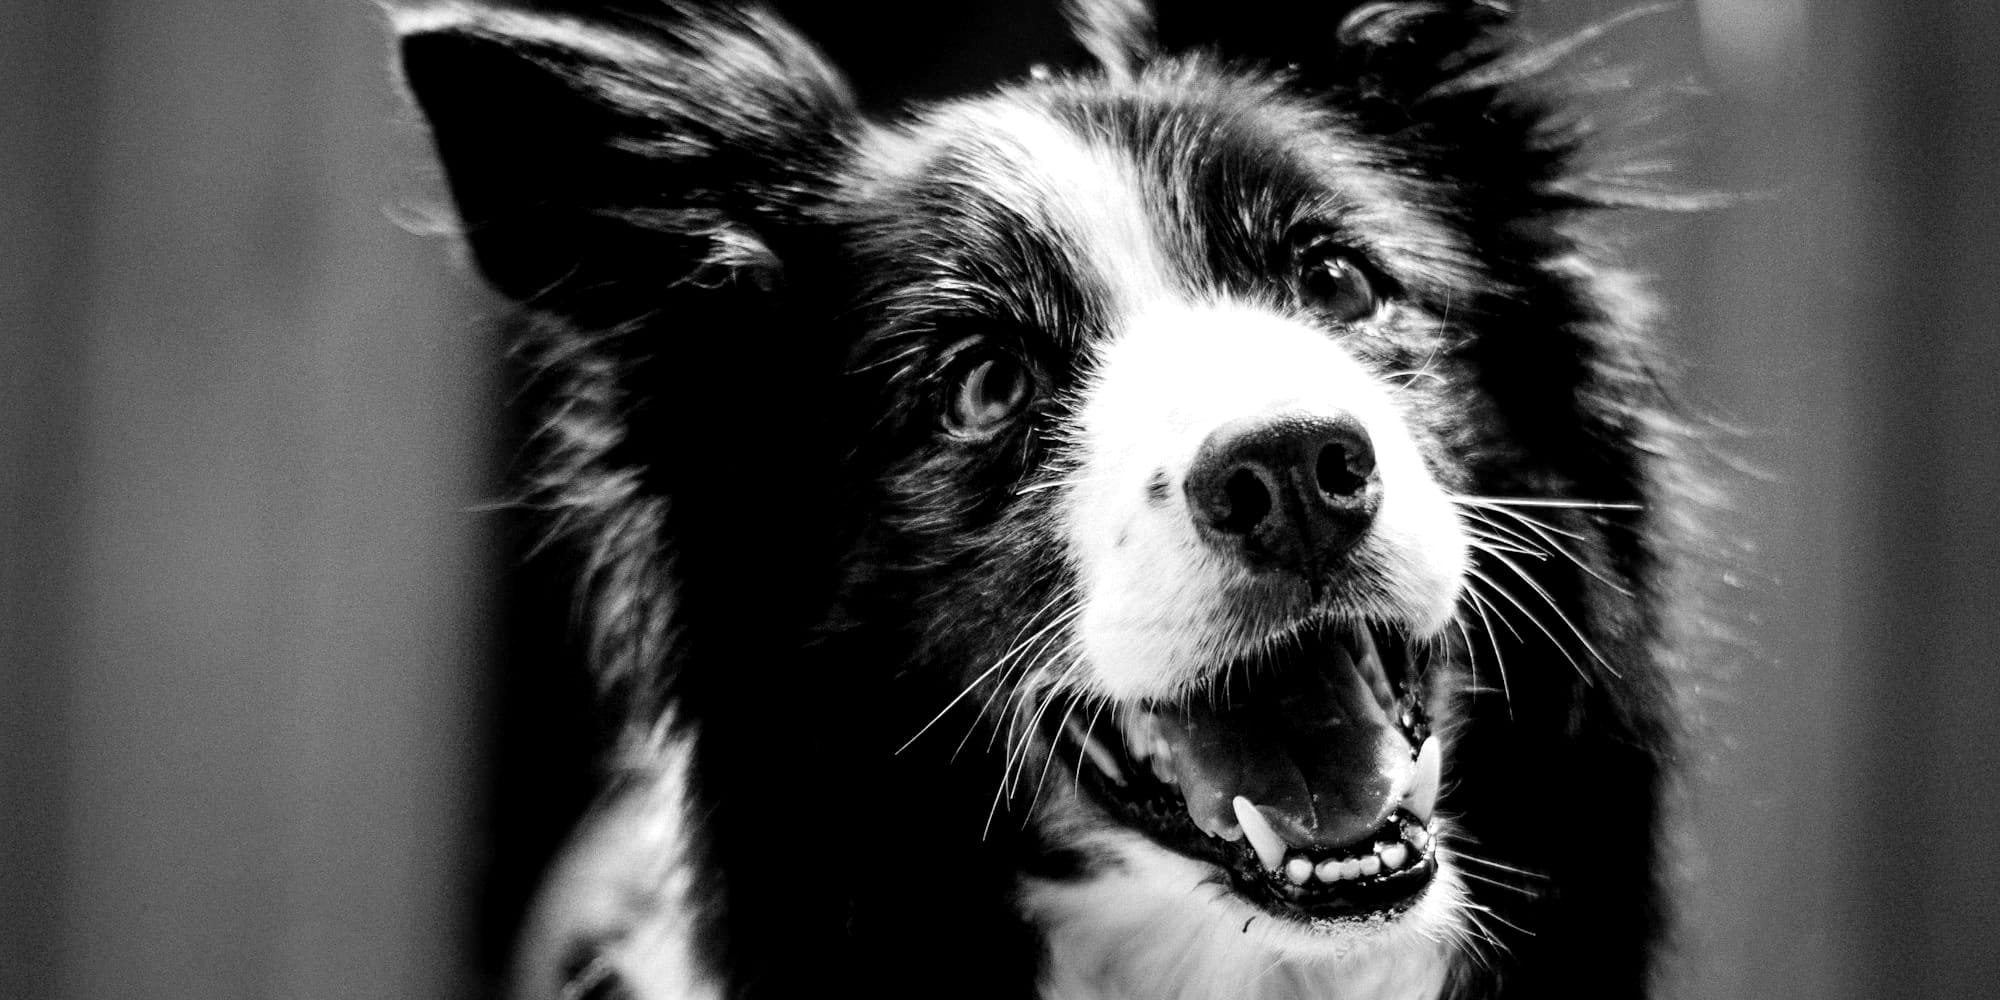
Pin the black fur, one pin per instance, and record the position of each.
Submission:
(748, 363)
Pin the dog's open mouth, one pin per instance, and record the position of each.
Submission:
(1309, 777)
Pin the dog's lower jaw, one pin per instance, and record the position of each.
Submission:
(1153, 925)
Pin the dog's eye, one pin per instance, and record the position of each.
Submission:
(1333, 281)
(987, 393)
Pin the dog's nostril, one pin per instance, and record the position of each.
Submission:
(1247, 502)
(1344, 467)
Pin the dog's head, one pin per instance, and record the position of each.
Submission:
(1142, 415)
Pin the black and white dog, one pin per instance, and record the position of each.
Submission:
(1187, 529)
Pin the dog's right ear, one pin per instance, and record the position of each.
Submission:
(594, 162)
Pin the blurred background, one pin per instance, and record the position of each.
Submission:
(267, 650)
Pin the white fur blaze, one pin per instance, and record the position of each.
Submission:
(624, 891)
(1162, 610)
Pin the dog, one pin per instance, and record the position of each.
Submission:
(1191, 527)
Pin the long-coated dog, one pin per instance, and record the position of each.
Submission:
(1185, 529)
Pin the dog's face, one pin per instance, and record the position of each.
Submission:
(1172, 368)
(1139, 426)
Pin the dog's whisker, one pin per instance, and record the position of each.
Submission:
(1465, 640)
(1461, 854)
(1561, 615)
(1413, 375)
(1499, 883)
(962, 695)
(998, 664)
(1011, 771)
(1088, 730)
(1486, 528)
(1509, 597)
(1479, 937)
(1480, 606)
(1048, 762)
(1505, 502)
(1531, 521)
(1045, 484)
(1490, 912)
(1014, 763)
(1484, 542)
(1032, 652)
(1544, 532)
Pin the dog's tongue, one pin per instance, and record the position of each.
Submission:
(1312, 746)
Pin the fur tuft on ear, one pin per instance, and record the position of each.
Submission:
(593, 161)
(1394, 49)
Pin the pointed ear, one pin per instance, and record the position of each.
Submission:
(1397, 49)
(593, 160)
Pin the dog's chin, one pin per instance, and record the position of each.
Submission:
(1142, 919)
(1302, 788)
(1135, 887)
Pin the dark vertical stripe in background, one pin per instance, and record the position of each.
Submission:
(243, 602)
(246, 691)
(48, 73)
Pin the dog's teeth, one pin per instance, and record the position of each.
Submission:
(1394, 856)
(1299, 871)
(1370, 865)
(1421, 799)
(1265, 841)
(1096, 752)
(1420, 838)
(1142, 737)
(1340, 871)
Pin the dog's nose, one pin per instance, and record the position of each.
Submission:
(1292, 491)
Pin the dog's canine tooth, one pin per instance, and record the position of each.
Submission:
(1264, 840)
(1421, 797)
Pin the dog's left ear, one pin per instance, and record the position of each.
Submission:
(598, 161)
(1394, 50)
